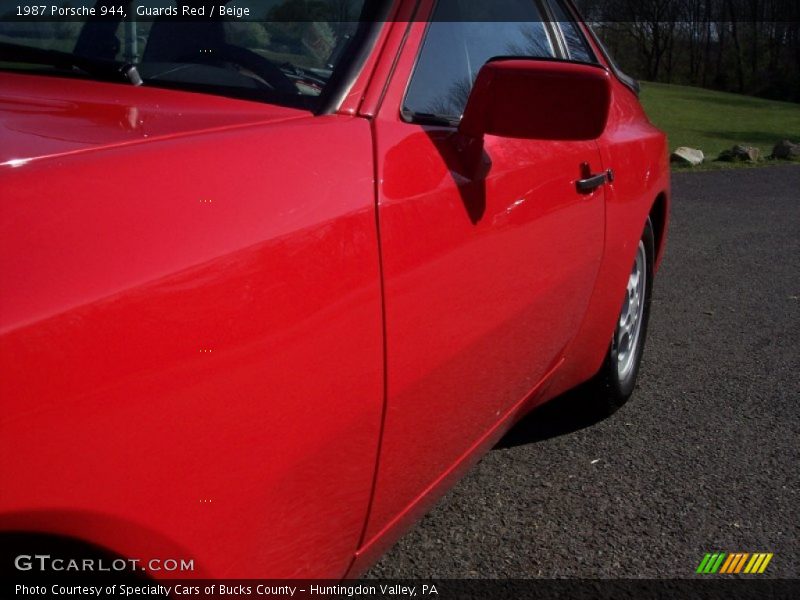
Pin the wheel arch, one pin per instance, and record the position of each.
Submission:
(659, 217)
(584, 356)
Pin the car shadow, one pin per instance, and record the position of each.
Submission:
(417, 166)
(563, 415)
(471, 187)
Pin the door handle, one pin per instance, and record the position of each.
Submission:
(592, 183)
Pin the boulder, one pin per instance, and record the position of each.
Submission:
(786, 150)
(687, 156)
(741, 153)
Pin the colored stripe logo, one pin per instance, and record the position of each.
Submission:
(734, 563)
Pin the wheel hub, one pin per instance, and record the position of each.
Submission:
(629, 327)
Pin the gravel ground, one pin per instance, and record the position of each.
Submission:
(703, 458)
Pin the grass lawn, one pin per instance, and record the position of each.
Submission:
(714, 121)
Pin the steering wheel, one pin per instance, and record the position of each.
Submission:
(273, 77)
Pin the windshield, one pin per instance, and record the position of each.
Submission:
(280, 51)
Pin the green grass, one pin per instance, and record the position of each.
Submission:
(714, 121)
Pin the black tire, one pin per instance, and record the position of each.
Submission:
(612, 387)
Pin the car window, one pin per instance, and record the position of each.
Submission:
(286, 52)
(577, 46)
(462, 36)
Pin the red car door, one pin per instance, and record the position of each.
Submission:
(486, 279)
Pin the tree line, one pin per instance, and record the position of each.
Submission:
(743, 46)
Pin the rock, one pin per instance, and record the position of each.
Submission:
(741, 153)
(688, 156)
(786, 150)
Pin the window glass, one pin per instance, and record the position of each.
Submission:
(286, 52)
(576, 43)
(457, 44)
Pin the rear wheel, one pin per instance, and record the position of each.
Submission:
(616, 380)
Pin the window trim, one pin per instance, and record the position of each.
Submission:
(577, 22)
(345, 77)
(631, 83)
(559, 43)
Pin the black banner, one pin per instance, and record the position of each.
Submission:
(596, 11)
(538, 589)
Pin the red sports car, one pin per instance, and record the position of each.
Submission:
(270, 287)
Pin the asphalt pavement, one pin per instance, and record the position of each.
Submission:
(706, 455)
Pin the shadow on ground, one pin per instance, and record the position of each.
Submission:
(566, 414)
